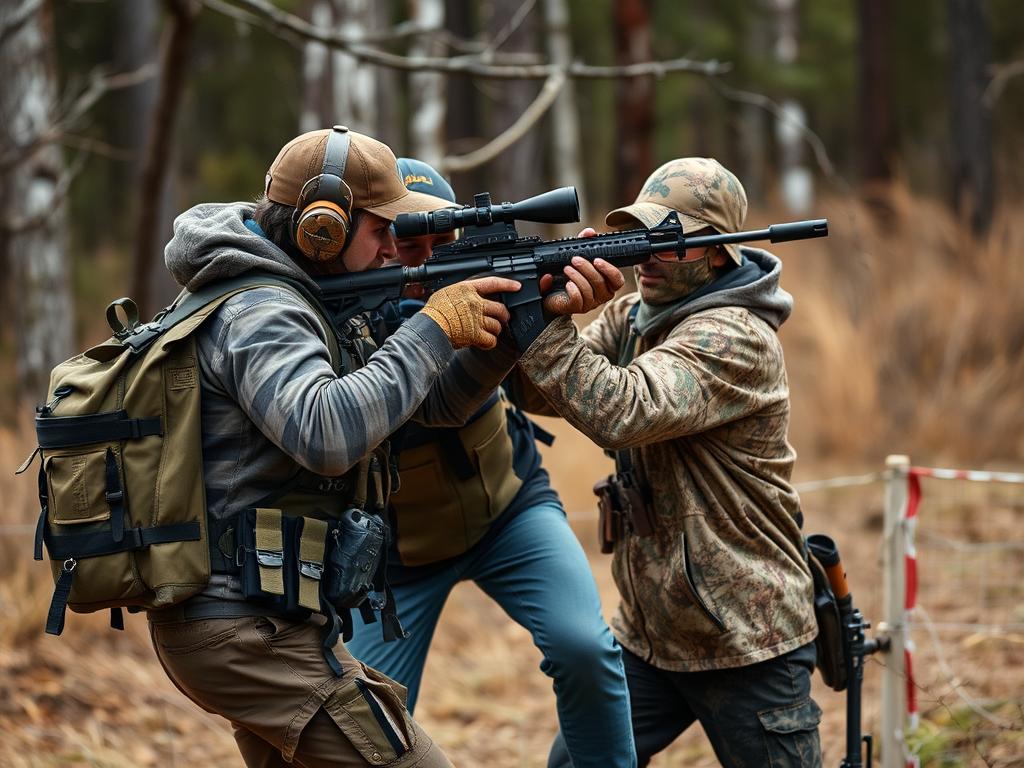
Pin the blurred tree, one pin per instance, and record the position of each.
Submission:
(464, 112)
(317, 88)
(134, 45)
(33, 189)
(752, 151)
(355, 82)
(153, 193)
(796, 181)
(634, 100)
(427, 93)
(565, 133)
(878, 146)
(512, 27)
(973, 192)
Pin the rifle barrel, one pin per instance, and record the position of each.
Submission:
(776, 233)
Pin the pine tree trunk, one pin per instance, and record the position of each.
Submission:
(33, 235)
(518, 171)
(634, 100)
(877, 141)
(355, 84)
(152, 228)
(565, 155)
(797, 184)
(462, 118)
(317, 88)
(973, 185)
(427, 95)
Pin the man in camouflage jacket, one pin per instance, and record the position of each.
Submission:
(686, 381)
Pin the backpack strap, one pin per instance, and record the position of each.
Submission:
(188, 305)
(623, 458)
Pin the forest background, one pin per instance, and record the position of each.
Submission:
(903, 123)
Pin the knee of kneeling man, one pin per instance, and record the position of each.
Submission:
(578, 652)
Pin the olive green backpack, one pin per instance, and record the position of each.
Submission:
(123, 506)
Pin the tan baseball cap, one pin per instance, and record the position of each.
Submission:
(370, 172)
(703, 191)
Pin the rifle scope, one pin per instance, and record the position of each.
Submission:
(559, 206)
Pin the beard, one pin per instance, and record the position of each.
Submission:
(670, 281)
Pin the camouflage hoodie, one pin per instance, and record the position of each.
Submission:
(704, 409)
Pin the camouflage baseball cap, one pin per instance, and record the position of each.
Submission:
(370, 172)
(703, 191)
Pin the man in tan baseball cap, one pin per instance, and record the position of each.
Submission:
(296, 413)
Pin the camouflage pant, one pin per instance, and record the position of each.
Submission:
(754, 716)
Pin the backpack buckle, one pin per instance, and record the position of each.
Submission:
(122, 328)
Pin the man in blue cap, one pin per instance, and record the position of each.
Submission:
(475, 504)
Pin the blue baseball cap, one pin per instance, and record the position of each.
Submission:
(421, 177)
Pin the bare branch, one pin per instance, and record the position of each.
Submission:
(1001, 74)
(12, 21)
(16, 226)
(512, 134)
(100, 84)
(279, 20)
(513, 24)
(762, 101)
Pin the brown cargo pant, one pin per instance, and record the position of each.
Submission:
(268, 676)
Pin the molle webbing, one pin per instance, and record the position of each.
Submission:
(312, 544)
(270, 550)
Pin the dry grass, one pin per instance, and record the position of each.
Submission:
(906, 338)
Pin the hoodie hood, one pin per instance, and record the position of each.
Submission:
(754, 285)
(214, 241)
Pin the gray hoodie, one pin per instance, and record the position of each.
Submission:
(271, 401)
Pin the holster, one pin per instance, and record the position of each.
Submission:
(622, 508)
(830, 642)
(609, 521)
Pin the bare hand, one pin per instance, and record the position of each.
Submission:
(588, 286)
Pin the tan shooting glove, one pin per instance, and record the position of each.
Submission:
(466, 317)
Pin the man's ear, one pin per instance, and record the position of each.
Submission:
(719, 258)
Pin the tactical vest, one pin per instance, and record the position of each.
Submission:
(454, 485)
(123, 509)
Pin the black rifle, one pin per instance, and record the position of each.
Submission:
(856, 645)
(490, 245)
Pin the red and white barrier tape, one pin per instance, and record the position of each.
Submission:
(909, 527)
(910, 592)
(974, 475)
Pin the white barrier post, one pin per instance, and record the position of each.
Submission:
(894, 692)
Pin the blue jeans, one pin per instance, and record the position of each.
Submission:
(535, 569)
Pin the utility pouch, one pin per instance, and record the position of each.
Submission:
(829, 611)
(357, 542)
(268, 555)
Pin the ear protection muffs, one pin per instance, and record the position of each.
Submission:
(323, 212)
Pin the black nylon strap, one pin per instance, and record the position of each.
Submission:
(109, 427)
(115, 498)
(623, 458)
(116, 618)
(37, 553)
(99, 543)
(43, 507)
(391, 628)
(382, 719)
(59, 603)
